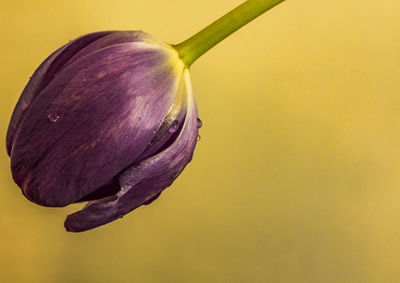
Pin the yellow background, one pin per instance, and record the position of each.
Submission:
(295, 178)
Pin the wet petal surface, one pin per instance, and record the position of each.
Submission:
(42, 76)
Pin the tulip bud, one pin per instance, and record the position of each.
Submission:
(108, 118)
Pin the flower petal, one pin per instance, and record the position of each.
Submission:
(143, 182)
(114, 38)
(41, 77)
(92, 121)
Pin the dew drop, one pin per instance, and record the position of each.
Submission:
(199, 123)
(53, 117)
(198, 137)
(174, 126)
(120, 216)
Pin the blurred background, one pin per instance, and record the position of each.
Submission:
(295, 178)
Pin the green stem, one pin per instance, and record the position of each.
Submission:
(191, 49)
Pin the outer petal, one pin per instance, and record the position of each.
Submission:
(143, 182)
(167, 133)
(41, 78)
(92, 121)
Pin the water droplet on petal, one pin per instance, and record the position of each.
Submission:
(199, 123)
(174, 126)
(53, 117)
(198, 137)
(120, 216)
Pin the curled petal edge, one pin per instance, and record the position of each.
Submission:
(143, 182)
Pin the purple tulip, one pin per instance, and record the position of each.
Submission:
(108, 118)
